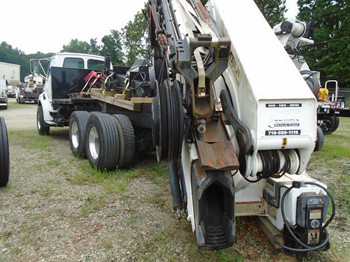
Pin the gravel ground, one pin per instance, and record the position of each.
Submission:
(56, 208)
(46, 217)
(19, 117)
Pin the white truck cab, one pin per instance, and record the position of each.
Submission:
(63, 71)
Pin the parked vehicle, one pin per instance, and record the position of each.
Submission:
(10, 72)
(27, 94)
(30, 89)
(11, 91)
(3, 94)
(72, 96)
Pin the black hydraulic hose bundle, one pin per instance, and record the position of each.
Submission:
(271, 165)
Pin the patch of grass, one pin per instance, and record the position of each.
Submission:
(92, 203)
(156, 245)
(116, 186)
(161, 243)
(28, 236)
(239, 224)
(332, 151)
(54, 181)
(14, 104)
(80, 178)
(160, 169)
(112, 182)
(54, 162)
(158, 200)
(29, 240)
(47, 191)
(29, 139)
(6, 189)
(116, 181)
(16, 250)
(106, 243)
(332, 164)
(226, 256)
(133, 218)
(342, 192)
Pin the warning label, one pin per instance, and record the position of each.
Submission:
(313, 237)
(283, 119)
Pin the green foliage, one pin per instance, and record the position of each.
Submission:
(112, 45)
(94, 47)
(76, 46)
(136, 40)
(330, 53)
(273, 11)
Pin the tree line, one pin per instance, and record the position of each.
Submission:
(329, 54)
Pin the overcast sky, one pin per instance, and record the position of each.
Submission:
(45, 26)
(292, 8)
(41, 25)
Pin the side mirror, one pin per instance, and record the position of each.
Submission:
(34, 66)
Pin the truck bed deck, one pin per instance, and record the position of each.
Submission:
(134, 104)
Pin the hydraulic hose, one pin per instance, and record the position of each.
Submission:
(175, 187)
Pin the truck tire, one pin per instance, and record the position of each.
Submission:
(43, 128)
(102, 142)
(126, 140)
(319, 140)
(4, 154)
(334, 123)
(77, 132)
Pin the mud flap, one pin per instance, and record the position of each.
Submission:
(213, 203)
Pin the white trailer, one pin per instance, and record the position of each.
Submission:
(10, 72)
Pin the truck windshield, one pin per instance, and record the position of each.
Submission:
(95, 64)
(73, 63)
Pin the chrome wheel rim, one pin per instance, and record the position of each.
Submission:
(94, 143)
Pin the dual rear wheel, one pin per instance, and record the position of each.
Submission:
(107, 141)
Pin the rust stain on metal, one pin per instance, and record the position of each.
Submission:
(218, 155)
(215, 132)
